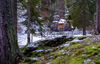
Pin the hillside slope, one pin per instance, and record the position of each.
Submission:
(64, 50)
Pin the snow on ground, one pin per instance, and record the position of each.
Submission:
(22, 38)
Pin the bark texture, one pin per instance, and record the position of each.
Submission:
(84, 30)
(8, 42)
(28, 28)
(14, 14)
(98, 15)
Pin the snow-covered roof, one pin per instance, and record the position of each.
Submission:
(62, 20)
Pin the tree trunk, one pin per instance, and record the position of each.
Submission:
(14, 15)
(28, 28)
(98, 15)
(95, 25)
(84, 30)
(8, 42)
(31, 37)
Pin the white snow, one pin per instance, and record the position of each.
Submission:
(76, 31)
(35, 59)
(63, 20)
(77, 35)
(22, 39)
(55, 21)
(38, 51)
(93, 47)
(47, 50)
(47, 63)
(75, 40)
(88, 60)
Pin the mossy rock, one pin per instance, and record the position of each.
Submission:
(28, 54)
(56, 42)
(28, 51)
(81, 38)
(39, 53)
(34, 54)
(70, 38)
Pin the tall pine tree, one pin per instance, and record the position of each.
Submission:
(83, 13)
(32, 15)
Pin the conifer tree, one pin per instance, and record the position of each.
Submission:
(83, 13)
(32, 7)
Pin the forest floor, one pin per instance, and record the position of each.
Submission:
(63, 50)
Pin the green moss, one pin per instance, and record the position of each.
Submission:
(97, 62)
(26, 61)
(81, 38)
(73, 43)
(98, 46)
(90, 51)
(70, 39)
(78, 52)
(28, 51)
(53, 43)
(81, 46)
(33, 62)
(29, 61)
(38, 53)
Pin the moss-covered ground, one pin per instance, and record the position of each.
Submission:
(86, 51)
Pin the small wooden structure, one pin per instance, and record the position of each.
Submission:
(60, 24)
